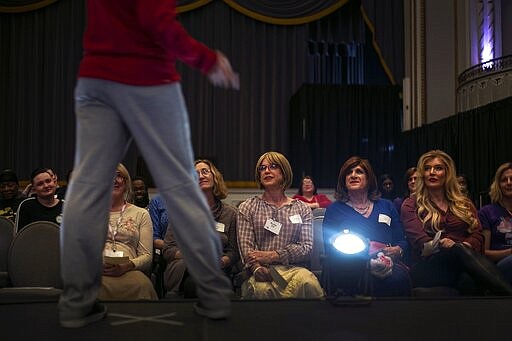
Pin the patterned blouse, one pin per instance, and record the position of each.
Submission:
(133, 235)
(294, 240)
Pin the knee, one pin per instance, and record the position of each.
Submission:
(312, 289)
(463, 251)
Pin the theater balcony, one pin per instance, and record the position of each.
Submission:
(485, 83)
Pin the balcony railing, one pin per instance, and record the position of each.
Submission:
(485, 83)
(492, 66)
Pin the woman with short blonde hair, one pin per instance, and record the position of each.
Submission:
(275, 236)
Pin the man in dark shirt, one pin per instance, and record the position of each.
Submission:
(44, 206)
(10, 194)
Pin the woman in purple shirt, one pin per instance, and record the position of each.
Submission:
(496, 220)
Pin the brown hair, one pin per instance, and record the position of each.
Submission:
(300, 192)
(220, 191)
(408, 173)
(341, 193)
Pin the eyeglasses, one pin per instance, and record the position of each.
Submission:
(204, 171)
(272, 166)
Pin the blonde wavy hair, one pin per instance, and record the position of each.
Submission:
(495, 191)
(458, 203)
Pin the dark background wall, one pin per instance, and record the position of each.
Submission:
(40, 51)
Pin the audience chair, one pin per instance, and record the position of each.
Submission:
(33, 264)
(157, 273)
(317, 253)
(6, 236)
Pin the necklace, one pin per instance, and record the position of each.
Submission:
(114, 231)
(361, 210)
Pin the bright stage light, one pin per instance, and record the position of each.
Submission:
(347, 268)
(349, 243)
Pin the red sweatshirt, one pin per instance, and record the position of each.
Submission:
(138, 42)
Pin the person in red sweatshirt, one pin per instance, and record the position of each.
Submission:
(128, 88)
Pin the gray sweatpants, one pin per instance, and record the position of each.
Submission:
(108, 115)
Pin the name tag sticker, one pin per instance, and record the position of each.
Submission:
(273, 226)
(385, 219)
(296, 219)
(220, 227)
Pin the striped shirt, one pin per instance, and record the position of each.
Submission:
(295, 239)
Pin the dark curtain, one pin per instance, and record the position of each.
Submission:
(385, 19)
(41, 50)
(478, 141)
(39, 56)
(330, 123)
(232, 127)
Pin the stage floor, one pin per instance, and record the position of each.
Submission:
(383, 319)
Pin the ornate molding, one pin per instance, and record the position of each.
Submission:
(484, 83)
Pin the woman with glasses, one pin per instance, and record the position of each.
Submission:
(446, 236)
(308, 194)
(360, 210)
(275, 236)
(129, 247)
(177, 280)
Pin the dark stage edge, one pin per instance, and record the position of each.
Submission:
(383, 319)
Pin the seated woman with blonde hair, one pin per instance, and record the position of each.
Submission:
(275, 236)
(129, 246)
(496, 220)
(443, 228)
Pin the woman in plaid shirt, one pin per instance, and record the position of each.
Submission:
(275, 236)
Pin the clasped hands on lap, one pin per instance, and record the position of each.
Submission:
(256, 260)
(116, 270)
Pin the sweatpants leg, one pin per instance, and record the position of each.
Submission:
(101, 141)
(158, 120)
